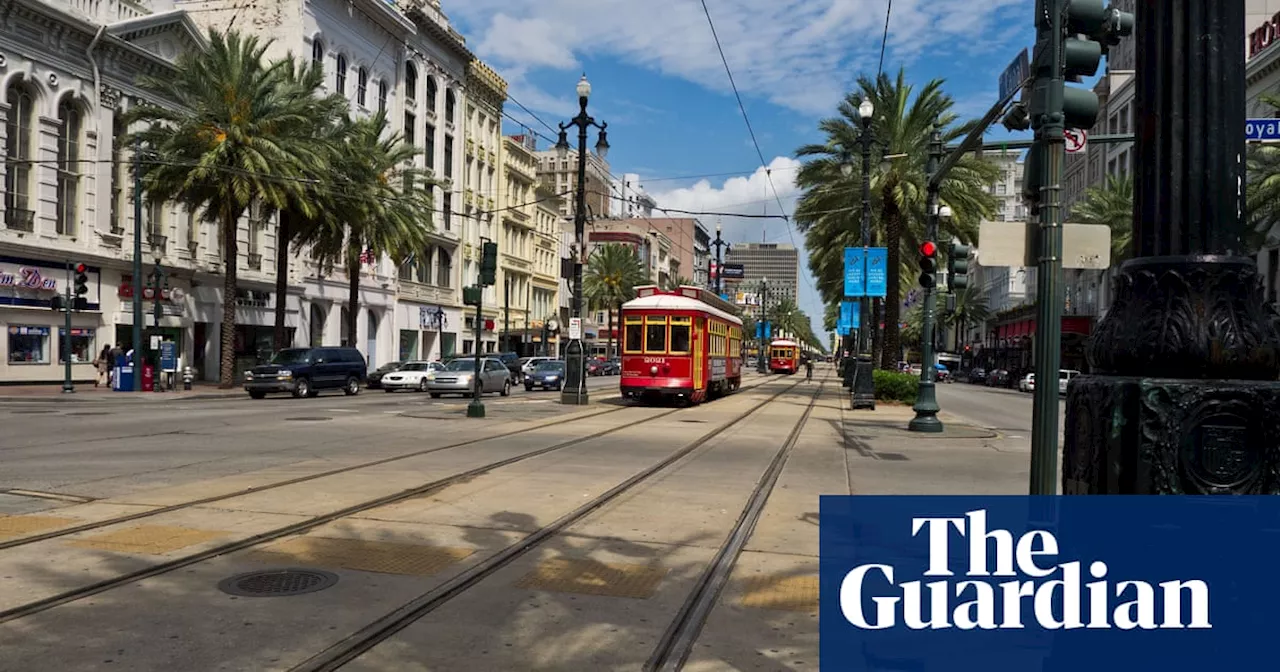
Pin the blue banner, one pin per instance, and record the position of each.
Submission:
(850, 315)
(1094, 583)
(877, 272)
(855, 272)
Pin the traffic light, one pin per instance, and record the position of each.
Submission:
(472, 296)
(928, 264)
(81, 302)
(58, 302)
(489, 264)
(958, 266)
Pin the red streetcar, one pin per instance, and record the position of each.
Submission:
(784, 356)
(684, 344)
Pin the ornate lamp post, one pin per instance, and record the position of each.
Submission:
(575, 388)
(718, 244)
(438, 317)
(863, 385)
(761, 359)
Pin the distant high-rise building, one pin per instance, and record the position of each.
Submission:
(629, 199)
(561, 175)
(778, 262)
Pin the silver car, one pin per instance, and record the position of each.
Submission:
(458, 377)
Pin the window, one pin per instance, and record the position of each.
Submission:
(429, 143)
(382, 95)
(119, 173)
(155, 225)
(82, 347)
(340, 79)
(362, 85)
(431, 93)
(448, 213)
(409, 122)
(317, 53)
(444, 269)
(449, 101)
(68, 166)
(655, 334)
(411, 81)
(408, 345)
(18, 213)
(680, 335)
(423, 273)
(28, 345)
(448, 156)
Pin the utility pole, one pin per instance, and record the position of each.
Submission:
(926, 406)
(137, 269)
(68, 386)
(506, 313)
(474, 296)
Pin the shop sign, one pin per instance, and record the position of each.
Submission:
(28, 277)
(1263, 36)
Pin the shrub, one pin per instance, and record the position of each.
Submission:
(893, 386)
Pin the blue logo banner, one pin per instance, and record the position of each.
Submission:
(849, 315)
(978, 584)
(877, 272)
(855, 272)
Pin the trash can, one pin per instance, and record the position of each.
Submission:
(148, 378)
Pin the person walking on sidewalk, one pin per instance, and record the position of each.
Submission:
(808, 369)
(103, 365)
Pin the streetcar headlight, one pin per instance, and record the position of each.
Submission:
(653, 370)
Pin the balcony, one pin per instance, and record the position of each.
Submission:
(17, 219)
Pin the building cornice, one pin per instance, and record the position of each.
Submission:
(485, 85)
(1263, 65)
(447, 37)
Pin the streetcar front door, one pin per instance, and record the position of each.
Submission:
(699, 355)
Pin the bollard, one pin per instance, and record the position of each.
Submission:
(186, 378)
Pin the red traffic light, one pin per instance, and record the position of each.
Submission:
(81, 268)
(929, 249)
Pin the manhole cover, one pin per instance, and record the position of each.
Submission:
(315, 419)
(30, 411)
(277, 582)
(89, 413)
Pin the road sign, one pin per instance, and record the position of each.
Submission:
(1261, 129)
(575, 328)
(1013, 244)
(1076, 140)
(733, 271)
(1014, 75)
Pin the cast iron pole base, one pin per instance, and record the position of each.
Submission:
(864, 384)
(575, 378)
(475, 409)
(926, 409)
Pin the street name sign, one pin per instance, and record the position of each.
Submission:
(1259, 130)
(1014, 75)
(1013, 244)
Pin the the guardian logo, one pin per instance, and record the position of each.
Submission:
(1046, 593)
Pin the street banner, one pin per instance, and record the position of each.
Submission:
(855, 272)
(855, 318)
(877, 272)
(850, 315)
(1099, 583)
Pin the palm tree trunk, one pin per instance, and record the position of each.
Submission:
(353, 295)
(230, 257)
(893, 300)
(283, 236)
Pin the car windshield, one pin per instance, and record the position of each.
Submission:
(292, 356)
(461, 365)
(550, 366)
(417, 366)
(391, 366)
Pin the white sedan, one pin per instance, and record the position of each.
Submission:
(1028, 383)
(411, 376)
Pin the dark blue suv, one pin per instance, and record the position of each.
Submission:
(305, 371)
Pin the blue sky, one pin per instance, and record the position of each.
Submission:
(658, 80)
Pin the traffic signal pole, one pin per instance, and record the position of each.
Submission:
(926, 406)
(68, 386)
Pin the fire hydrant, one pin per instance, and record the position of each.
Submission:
(187, 376)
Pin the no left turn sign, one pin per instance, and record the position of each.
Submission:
(1076, 140)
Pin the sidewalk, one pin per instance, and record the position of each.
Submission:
(86, 392)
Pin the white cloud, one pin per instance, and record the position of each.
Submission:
(800, 54)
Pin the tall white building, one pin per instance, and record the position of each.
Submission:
(630, 201)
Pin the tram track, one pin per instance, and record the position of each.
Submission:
(363, 640)
(47, 603)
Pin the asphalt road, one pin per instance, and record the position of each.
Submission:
(1005, 411)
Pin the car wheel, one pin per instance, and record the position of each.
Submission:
(353, 386)
(422, 385)
(388, 390)
(506, 388)
(302, 388)
(528, 387)
(435, 395)
(257, 395)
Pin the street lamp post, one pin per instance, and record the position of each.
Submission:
(719, 286)
(550, 326)
(764, 326)
(863, 386)
(575, 388)
(438, 318)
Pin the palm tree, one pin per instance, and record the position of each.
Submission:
(235, 133)
(381, 205)
(828, 210)
(1110, 204)
(610, 280)
(971, 308)
(787, 317)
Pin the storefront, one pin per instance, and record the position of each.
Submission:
(1010, 344)
(254, 341)
(426, 332)
(35, 334)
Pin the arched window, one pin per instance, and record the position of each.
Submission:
(362, 85)
(431, 93)
(317, 53)
(444, 267)
(340, 81)
(382, 95)
(448, 105)
(69, 120)
(411, 81)
(119, 172)
(18, 214)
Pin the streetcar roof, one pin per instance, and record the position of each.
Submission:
(785, 343)
(677, 302)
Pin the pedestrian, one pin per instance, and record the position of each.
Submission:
(103, 365)
(808, 369)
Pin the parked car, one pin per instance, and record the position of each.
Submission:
(1064, 377)
(511, 360)
(998, 378)
(549, 375)
(305, 371)
(411, 376)
(375, 378)
(613, 367)
(978, 376)
(595, 367)
(459, 377)
(528, 364)
(1028, 383)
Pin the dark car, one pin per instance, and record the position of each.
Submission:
(375, 378)
(612, 367)
(547, 375)
(1000, 378)
(512, 361)
(977, 376)
(305, 371)
(595, 367)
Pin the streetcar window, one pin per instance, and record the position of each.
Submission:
(633, 336)
(655, 335)
(679, 338)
